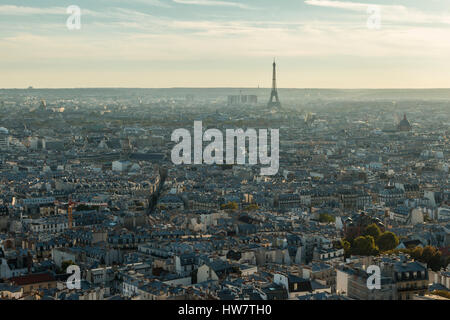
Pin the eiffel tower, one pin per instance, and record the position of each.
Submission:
(274, 93)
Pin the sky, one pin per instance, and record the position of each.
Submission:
(226, 43)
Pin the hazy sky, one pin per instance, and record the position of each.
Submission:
(225, 43)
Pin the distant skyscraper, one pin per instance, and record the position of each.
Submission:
(238, 100)
(404, 125)
(4, 138)
(274, 101)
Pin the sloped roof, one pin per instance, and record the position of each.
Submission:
(32, 278)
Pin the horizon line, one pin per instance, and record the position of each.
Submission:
(252, 88)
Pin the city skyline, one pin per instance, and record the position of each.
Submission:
(224, 156)
(198, 43)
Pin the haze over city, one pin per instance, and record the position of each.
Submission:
(221, 151)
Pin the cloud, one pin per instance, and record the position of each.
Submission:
(390, 13)
(11, 10)
(20, 10)
(187, 40)
(109, 15)
(121, 37)
(155, 3)
(212, 3)
(338, 4)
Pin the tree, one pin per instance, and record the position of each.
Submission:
(432, 257)
(252, 207)
(344, 244)
(441, 293)
(230, 206)
(364, 246)
(65, 264)
(435, 262)
(325, 217)
(429, 255)
(387, 241)
(373, 230)
(416, 253)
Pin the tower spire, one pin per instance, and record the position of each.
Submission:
(274, 100)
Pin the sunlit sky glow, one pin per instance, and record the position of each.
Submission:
(225, 43)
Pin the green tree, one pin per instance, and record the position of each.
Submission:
(428, 253)
(441, 293)
(344, 244)
(230, 206)
(364, 246)
(252, 207)
(435, 262)
(387, 241)
(325, 217)
(432, 257)
(416, 253)
(372, 230)
(65, 264)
